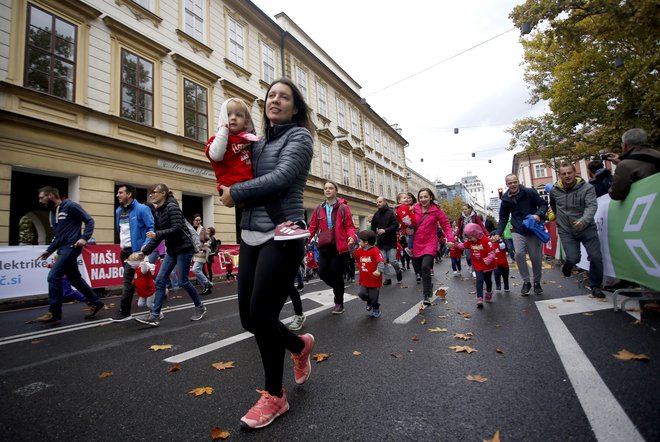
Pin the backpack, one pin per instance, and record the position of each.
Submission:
(193, 236)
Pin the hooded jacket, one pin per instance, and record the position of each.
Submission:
(385, 219)
(633, 167)
(426, 230)
(578, 203)
(280, 165)
(343, 228)
(66, 220)
(602, 181)
(169, 227)
(526, 202)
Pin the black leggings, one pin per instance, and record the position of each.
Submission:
(331, 271)
(264, 284)
(423, 266)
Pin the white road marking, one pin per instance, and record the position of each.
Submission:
(324, 297)
(411, 313)
(608, 420)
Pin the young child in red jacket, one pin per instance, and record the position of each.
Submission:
(228, 262)
(406, 218)
(370, 267)
(145, 287)
(502, 271)
(483, 260)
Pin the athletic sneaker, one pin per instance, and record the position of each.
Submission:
(297, 322)
(399, 276)
(94, 309)
(302, 365)
(566, 269)
(427, 301)
(480, 302)
(289, 230)
(265, 411)
(369, 308)
(506, 290)
(49, 317)
(375, 313)
(498, 288)
(121, 317)
(199, 313)
(149, 319)
(596, 292)
(538, 290)
(418, 278)
(388, 281)
(338, 309)
(526, 287)
(474, 274)
(489, 296)
(456, 273)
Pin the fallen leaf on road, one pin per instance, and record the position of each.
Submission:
(626, 355)
(462, 348)
(223, 365)
(496, 437)
(588, 314)
(552, 306)
(437, 330)
(473, 293)
(442, 317)
(476, 378)
(635, 310)
(36, 342)
(441, 293)
(160, 347)
(560, 286)
(423, 321)
(637, 322)
(174, 368)
(396, 355)
(104, 375)
(415, 338)
(410, 350)
(602, 299)
(356, 353)
(403, 286)
(499, 350)
(464, 336)
(568, 300)
(219, 433)
(320, 357)
(202, 390)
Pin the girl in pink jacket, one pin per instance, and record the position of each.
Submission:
(427, 216)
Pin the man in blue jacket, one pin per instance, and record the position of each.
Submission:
(66, 219)
(520, 201)
(133, 220)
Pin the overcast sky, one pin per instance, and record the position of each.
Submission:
(379, 43)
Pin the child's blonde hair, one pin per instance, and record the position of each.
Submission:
(399, 195)
(248, 117)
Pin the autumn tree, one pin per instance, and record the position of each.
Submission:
(453, 209)
(596, 64)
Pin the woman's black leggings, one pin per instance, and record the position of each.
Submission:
(423, 265)
(264, 284)
(331, 271)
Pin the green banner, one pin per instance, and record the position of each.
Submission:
(633, 234)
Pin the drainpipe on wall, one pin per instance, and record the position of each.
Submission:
(282, 37)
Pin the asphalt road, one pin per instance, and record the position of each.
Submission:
(548, 362)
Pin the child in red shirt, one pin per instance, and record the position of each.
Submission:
(370, 267)
(502, 270)
(311, 266)
(144, 283)
(406, 218)
(483, 260)
(229, 265)
(230, 154)
(455, 257)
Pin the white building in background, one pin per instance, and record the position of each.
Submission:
(417, 181)
(476, 188)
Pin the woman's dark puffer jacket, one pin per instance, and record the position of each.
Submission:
(170, 223)
(280, 165)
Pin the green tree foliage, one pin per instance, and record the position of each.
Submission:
(596, 63)
(453, 210)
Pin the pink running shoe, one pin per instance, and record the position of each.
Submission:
(265, 411)
(489, 296)
(480, 302)
(302, 366)
(289, 230)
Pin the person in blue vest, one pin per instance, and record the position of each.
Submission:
(66, 218)
(133, 220)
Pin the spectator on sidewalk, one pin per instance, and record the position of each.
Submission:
(600, 177)
(132, 220)
(200, 257)
(66, 219)
(520, 201)
(639, 160)
(385, 224)
(574, 203)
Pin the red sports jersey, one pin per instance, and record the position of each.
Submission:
(455, 252)
(481, 250)
(367, 261)
(501, 255)
(144, 283)
(402, 211)
(310, 261)
(236, 166)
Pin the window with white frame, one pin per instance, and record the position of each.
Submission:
(540, 171)
(355, 128)
(381, 183)
(390, 186)
(345, 173)
(193, 18)
(267, 63)
(372, 184)
(301, 79)
(50, 61)
(146, 4)
(386, 146)
(322, 93)
(341, 113)
(236, 42)
(377, 139)
(358, 174)
(195, 111)
(367, 132)
(137, 88)
(325, 157)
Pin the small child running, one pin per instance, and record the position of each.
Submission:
(455, 255)
(370, 268)
(502, 271)
(230, 155)
(483, 260)
(406, 218)
(228, 262)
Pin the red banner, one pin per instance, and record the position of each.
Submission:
(550, 248)
(105, 269)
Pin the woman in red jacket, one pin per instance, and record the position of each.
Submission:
(333, 222)
(425, 246)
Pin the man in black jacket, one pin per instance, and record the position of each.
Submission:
(520, 201)
(385, 225)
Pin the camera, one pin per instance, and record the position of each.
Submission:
(605, 157)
